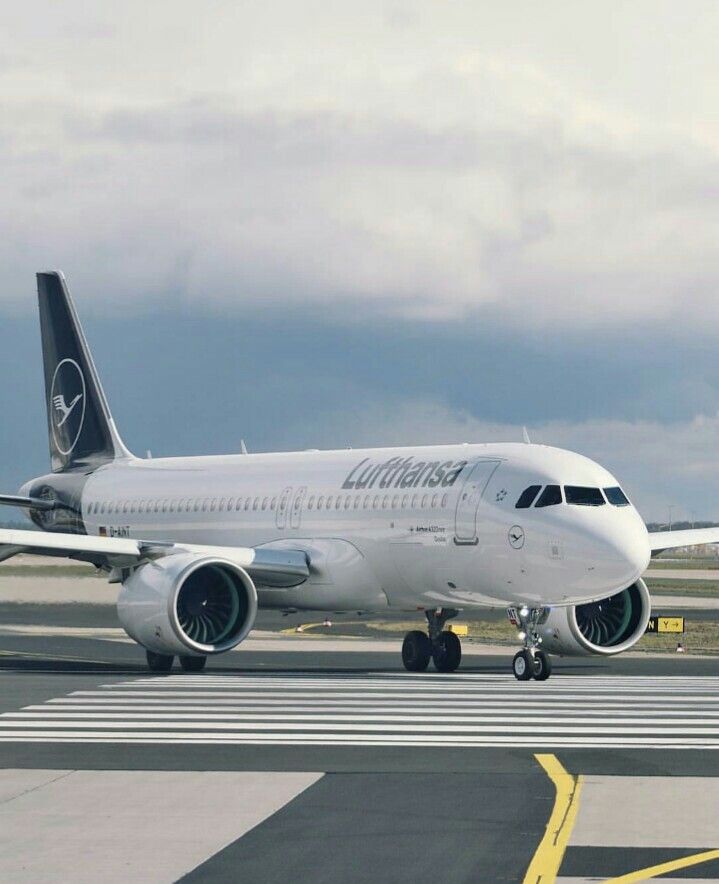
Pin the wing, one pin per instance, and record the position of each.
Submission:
(267, 567)
(661, 540)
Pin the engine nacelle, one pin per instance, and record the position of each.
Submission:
(188, 605)
(607, 627)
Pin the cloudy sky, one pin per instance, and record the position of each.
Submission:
(319, 224)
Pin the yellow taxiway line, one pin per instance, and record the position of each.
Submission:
(662, 868)
(546, 861)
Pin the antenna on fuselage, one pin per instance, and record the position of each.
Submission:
(525, 436)
(243, 447)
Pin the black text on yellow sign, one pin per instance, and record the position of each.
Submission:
(665, 624)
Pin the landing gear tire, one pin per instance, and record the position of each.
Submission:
(159, 662)
(193, 664)
(446, 652)
(542, 666)
(523, 665)
(416, 651)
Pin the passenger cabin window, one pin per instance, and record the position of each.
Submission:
(551, 496)
(616, 496)
(527, 497)
(580, 495)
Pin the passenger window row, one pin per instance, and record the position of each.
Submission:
(575, 495)
(378, 501)
(182, 505)
(232, 504)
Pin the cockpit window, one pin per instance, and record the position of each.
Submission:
(580, 495)
(551, 496)
(616, 496)
(526, 498)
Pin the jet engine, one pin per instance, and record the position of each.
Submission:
(606, 627)
(188, 605)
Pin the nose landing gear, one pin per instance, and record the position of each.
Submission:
(438, 644)
(532, 661)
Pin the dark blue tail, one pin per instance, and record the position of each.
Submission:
(80, 426)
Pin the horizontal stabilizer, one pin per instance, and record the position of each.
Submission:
(28, 503)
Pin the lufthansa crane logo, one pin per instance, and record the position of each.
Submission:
(67, 405)
(516, 537)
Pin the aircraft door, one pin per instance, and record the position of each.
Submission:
(465, 517)
(282, 506)
(297, 504)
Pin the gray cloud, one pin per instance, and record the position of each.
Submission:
(429, 180)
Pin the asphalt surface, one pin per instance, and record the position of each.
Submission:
(336, 765)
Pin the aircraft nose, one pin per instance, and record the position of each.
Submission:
(623, 551)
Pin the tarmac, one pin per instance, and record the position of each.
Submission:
(319, 758)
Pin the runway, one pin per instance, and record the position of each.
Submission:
(323, 759)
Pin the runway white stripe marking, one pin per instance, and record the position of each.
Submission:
(364, 727)
(322, 739)
(13, 718)
(482, 710)
(386, 710)
(349, 695)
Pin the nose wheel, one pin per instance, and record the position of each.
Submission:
(531, 661)
(528, 664)
(438, 644)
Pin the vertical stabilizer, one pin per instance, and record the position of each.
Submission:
(80, 426)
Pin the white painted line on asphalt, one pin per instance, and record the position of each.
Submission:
(278, 710)
(350, 740)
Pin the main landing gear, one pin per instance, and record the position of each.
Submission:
(163, 662)
(531, 661)
(438, 644)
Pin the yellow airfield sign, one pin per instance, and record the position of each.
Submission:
(665, 624)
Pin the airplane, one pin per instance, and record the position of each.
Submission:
(198, 544)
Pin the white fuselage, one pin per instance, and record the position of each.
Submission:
(406, 528)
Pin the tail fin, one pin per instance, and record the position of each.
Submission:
(80, 426)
